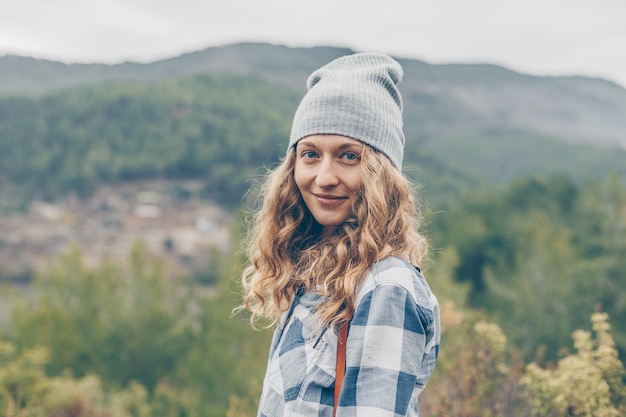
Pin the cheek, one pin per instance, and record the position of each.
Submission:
(355, 181)
(298, 177)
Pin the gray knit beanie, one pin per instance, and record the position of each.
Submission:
(355, 96)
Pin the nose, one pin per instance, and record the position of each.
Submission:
(326, 174)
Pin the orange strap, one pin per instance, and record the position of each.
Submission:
(340, 370)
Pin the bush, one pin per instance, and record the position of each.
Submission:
(130, 324)
(475, 375)
(26, 390)
(588, 383)
(121, 323)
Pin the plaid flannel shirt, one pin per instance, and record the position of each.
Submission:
(391, 351)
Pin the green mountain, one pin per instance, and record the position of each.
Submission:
(571, 109)
(220, 113)
(216, 127)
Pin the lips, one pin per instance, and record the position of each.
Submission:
(329, 200)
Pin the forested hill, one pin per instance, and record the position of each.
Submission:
(222, 128)
(70, 127)
(186, 117)
(476, 98)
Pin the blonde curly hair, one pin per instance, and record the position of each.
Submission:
(286, 252)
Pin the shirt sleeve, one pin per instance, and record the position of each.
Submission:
(390, 354)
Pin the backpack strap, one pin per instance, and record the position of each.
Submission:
(340, 369)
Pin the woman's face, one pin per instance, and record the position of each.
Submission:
(328, 176)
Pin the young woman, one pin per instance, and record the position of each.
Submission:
(335, 242)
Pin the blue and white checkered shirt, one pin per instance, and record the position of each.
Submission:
(392, 349)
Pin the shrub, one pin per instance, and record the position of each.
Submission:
(475, 375)
(26, 390)
(588, 383)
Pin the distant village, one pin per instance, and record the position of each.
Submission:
(177, 226)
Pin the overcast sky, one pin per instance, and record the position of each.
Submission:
(543, 37)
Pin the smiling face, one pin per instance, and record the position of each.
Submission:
(327, 173)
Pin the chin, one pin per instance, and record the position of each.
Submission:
(333, 224)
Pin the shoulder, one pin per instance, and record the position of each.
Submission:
(396, 272)
(394, 294)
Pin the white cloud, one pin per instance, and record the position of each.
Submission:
(546, 37)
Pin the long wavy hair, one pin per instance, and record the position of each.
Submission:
(286, 250)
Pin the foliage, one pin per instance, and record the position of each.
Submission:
(220, 128)
(67, 354)
(476, 375)
(216, 127)
(132, 325)
(503, 154)
(26, 390)
(589, 383)
(245, 406)
(441, 278)
(121, 324)
(539, 257)
(479, 375)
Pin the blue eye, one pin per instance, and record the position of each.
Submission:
(308, 154)
(352, 156)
